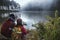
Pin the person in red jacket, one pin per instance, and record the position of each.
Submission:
(23, 30)
(7, 26)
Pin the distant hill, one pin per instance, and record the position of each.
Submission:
(55, 5)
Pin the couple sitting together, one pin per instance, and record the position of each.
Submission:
(10, 30)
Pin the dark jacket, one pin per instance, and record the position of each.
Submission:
(6, 28)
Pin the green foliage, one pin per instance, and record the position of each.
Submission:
(51, 29)
(40, 30)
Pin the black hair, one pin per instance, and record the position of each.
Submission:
(19, 22)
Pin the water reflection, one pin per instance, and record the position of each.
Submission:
(32, 17)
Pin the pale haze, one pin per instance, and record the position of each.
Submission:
(31, 17)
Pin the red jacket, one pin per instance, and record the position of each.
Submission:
(24, 31)
(5, 28)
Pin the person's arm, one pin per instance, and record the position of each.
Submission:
(12, 25)
(24, 30)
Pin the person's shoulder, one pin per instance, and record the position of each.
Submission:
(5, 21)
(23, 27)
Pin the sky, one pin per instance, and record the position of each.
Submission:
(22, 2)
(25, 2)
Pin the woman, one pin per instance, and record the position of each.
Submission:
(19, 31)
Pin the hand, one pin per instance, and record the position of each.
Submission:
(10, 28)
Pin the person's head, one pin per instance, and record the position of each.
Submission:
(19, 21)
(12, 17)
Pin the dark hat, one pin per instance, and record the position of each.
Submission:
(12, 16)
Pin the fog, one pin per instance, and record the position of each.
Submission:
(34, 11)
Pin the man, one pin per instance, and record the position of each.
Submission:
(7, 26)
